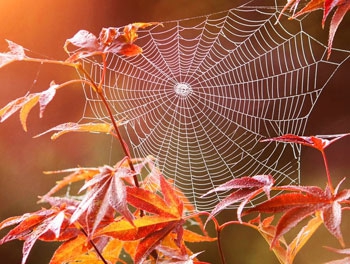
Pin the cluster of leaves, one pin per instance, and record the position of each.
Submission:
(109, 40)
(115, 214)
(97, 226)
(342, 7)
(294, 203)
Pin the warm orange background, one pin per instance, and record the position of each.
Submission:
(42, 26)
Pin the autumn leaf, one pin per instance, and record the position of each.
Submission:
(130, 31)
(83, 39)
(110, 39)
(15, 53)
(155, 204)
(171, 197)
(87, 173)
(344, 251)
(141, 227)
(192, 237)
(80, 250)
(112, 250)
(106, 193)
(45, 224)
(283, 251)
(267, 231)
(70, 250)
(148, 243)
(303, 236)
(150, 230)
(27, 102)
(46, 97)
(320, 143)
(245, 188)
(177, 256)
(296, 206)
(76, 174)
(75, 127)
(342, 7)
(317, 142)
(14, 106)
(328, 5)
(26, 108)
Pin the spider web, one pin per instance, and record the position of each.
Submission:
(207, 89)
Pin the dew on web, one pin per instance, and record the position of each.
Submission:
(206, 90)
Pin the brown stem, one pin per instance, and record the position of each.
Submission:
(116, 129)
(93, 245)
(98, 89)
(59, 62)
(218, 229)
(327, 172)
(221, 253)
(117, 132)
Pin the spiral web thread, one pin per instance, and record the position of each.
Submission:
(207, 89)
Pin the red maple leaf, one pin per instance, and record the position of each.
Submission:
(246, 188)
(27, 102)
(150, 230)
(46, 224)
(106, 193)
(15, 53)
(317, 142)
(342, 7)
(110, 40)
(302, 202)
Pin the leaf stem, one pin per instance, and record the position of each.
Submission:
(325, 161)
(99, 91)
(93, 245)
(218, 229)
(221, 253)
(65, 63)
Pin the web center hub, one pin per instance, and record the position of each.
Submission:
(183, 89)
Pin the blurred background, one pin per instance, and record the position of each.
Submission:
(42, 27)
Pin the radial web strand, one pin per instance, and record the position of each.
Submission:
(207, 89)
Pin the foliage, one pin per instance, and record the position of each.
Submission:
(342, 7)
(115, 213)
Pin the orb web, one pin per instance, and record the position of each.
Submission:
(206, 90)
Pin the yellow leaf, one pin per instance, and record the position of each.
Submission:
(75, 127)
(303, 236)
(27, 106)
(88, 127)
(193, 237)
(268, 232)
(70, 250)
(112, 250)
(145, 225)
(130, 31)
(78, 174)
(11, 108)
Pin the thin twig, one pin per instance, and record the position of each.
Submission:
(98, 89)
(327, 172)
(93, 245)
(218, 229)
